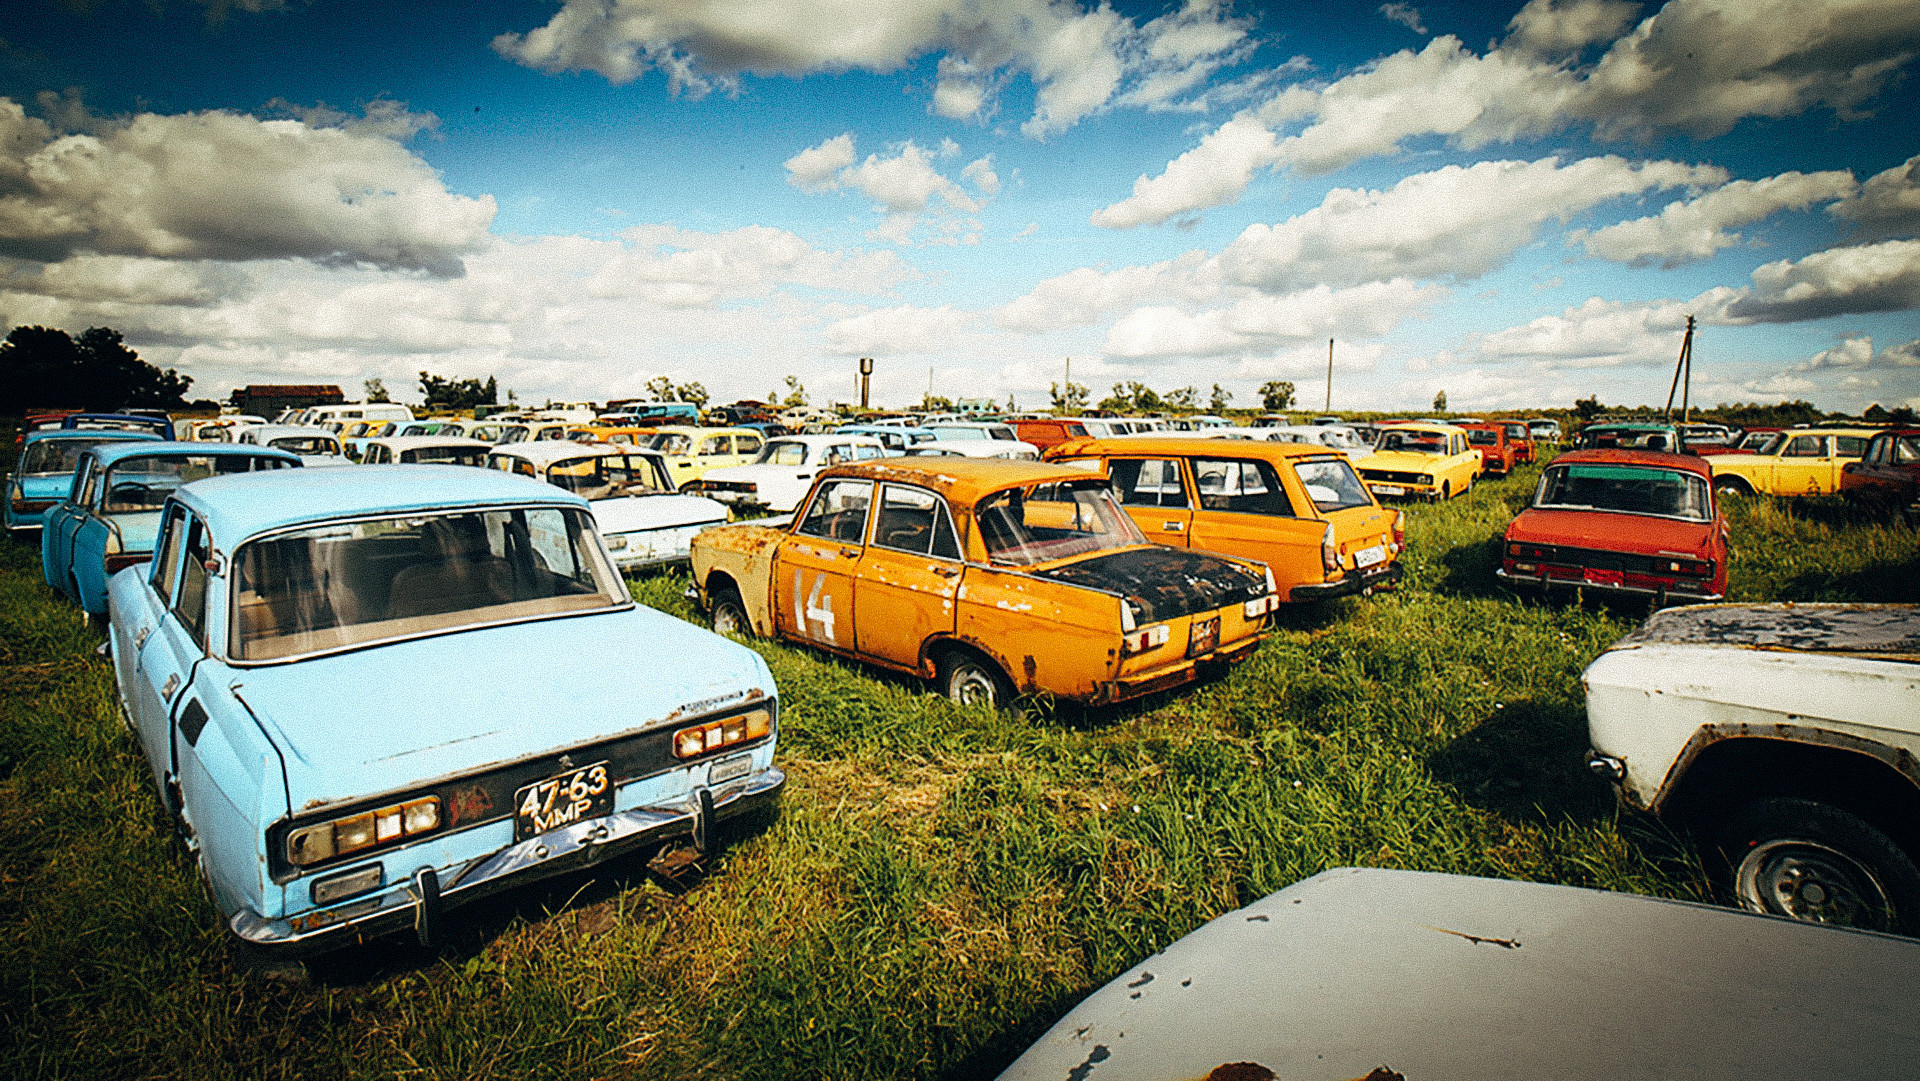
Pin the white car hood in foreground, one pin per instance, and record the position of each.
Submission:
(1447, 978)
(626, 514)
(386, 718)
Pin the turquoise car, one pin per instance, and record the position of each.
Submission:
(110, 515)
(44, 474)
(479, 612)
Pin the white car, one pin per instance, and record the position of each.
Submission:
(315, 446)
(778, 479)
(421, 449)
(643, 521)
(1338, 436)
(1011, 449)
(1786, 736)
(971, 430)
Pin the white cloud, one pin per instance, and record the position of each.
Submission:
(1696, 66)
(817, 167)
(904, 185)
(1263, 323)
(1879, 277)
(1855, 353)
(1695, 229)
(1888, 204)
(1405, 14)
(1452, 222)
(897, 331)
(287, 189)
(1601, 333)
(1078, 59)
(1081, 296)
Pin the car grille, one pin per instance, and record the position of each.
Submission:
(1394, 476)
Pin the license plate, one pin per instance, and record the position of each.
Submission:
(1367, 557)
(1602, 577)
(562, 800)
(1388, 489)
(1203, 636)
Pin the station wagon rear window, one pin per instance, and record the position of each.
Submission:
(1332, 485)
(58, 455)
(605, 476)
(1628, 489)
(353, 583)
(306, 444)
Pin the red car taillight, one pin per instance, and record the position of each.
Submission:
(1529, 551)
(1692, 568)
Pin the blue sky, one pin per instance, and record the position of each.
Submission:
(1518, 205)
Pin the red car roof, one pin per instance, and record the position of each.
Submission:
(1617, 456)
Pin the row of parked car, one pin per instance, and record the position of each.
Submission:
(1115, 568)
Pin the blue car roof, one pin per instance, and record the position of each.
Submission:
(242, 505)
(91, 433)
(109, 453)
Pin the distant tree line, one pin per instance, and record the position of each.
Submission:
(46, 368)
(457, 394)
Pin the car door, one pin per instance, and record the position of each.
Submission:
(1801, 466)
(1845, 448)
(713, 452)
(903, 590)
(1156, 496)
(813, 573)
(1244, 510)
(161, 651)
(64, 522)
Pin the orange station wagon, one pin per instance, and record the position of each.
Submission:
(993, 578)
(1297, 507)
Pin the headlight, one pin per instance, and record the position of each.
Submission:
(699, 739)
(1426, 478)
(341, 836)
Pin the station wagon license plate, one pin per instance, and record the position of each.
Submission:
(562, 800)
(1203, 636)
(1388, 489)
(1367, 557)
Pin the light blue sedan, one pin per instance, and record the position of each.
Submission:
(112, 512)
(44, 474)
(369, 694)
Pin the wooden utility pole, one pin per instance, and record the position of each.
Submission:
(1682, 376)
(1329, 375)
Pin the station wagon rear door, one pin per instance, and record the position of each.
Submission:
(1245, 510)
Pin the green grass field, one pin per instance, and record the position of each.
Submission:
(941, 884)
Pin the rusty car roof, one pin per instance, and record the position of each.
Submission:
(1891, 631)
(1629, 456)
(962, 480)
(1191, 444)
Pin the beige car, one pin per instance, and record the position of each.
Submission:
(692, 452)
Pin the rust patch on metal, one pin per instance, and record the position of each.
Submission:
(1240, 1071)
(1095, 1057)
(1898, 758)
(1030, 668)
(1383, 1073)
(468, 803)
(1503, 943)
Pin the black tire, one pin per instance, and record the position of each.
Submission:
(730, 614)
(1445, 493)
(1815, 862)
(1725, 486)
(967, 678)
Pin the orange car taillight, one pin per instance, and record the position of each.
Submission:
(1399, 529)
(368, 829)
(1151, 638)
(1329, 552)
(699, 739)
(1693, 568)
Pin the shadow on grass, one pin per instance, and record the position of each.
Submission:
(1526, 763)
(1467, 570)
(1892, 582)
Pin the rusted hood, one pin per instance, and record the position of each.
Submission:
(1889, 631)
(1609, 531)
(1166, 582)
(1447, 978)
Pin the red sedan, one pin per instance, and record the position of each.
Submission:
(1629, 521)
(1887, 479)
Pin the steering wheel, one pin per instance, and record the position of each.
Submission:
(128, 491)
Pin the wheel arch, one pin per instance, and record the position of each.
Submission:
(1878, 783)
(939, 647)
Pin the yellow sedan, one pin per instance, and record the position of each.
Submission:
(1421, 461)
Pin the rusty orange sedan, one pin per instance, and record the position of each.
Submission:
(992, 578)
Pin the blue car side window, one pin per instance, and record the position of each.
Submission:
(166, 561)
(190, 602)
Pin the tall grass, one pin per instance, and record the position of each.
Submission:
(941, 884)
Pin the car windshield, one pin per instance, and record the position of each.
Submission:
(1332, 485)
(446, 455)
(1481, 437)
(306, 444)
(119, 424)
(138, 485)
(1630, 489)
(1759, 442)
(352, 583)
(1518, 431)
(1414, 442)
(58, 455)
(782, 452)
(1024, 526)
(671, 443)
(606, 476)
(1640, 438)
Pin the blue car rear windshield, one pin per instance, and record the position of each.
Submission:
(352, 583)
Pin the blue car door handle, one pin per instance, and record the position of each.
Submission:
(171, 685)
(140, 637)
